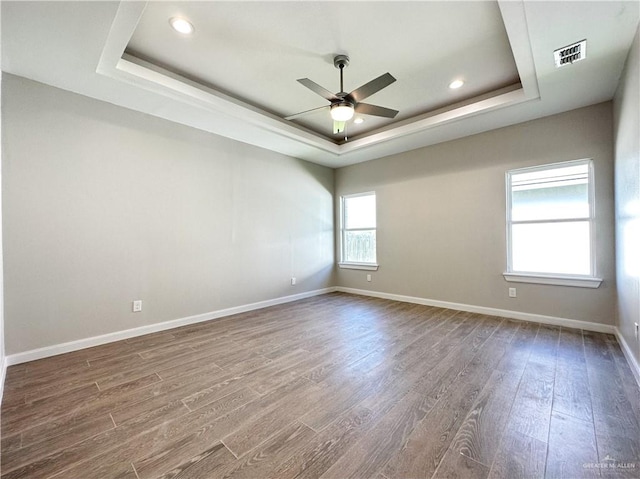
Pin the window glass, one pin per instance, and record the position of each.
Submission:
(557, 193)
(358, 235)
(561, 248)
(550, 219)
(360, 246)
(360, 212)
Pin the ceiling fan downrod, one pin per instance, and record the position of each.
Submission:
(340, 62)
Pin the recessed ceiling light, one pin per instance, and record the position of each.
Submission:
(358, 120)
(456, 84)
(181, 25)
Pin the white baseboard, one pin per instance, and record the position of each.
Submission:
(152, 328)
(505, 313)
(631, 359)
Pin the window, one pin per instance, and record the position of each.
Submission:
(550, 224)
(358, 231)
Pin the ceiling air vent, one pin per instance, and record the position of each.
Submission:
(570, 54)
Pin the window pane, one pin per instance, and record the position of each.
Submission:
(360, 246)
(557, 193)
(562, 248)
(360, 212)
(550, 203)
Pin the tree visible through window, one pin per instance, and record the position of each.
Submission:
(550, 219)
(359, 228)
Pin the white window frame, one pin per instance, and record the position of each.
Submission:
(583, 281)
(351, 264)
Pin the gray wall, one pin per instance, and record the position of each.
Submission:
(441, 216)
(2, 355)
(627, 181)
(103, 205)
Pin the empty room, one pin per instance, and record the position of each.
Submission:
(304, 239)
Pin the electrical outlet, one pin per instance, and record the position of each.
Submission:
(369, 277)
(293, 281)
(636, 330)
(137, 306)
(512, 293)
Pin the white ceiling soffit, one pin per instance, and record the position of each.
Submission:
(118, 64)
(41, 43)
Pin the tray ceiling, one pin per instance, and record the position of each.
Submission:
(236, 76)
(255, 52)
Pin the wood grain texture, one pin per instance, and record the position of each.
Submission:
(332, 386)
(207, 463)
(479, 435)
(624, 370)
(519, 457)
(430, 439)
(531, 411)
(458, 466)
(572, 447)
(571, 392)
(326, 447)
(616, 408)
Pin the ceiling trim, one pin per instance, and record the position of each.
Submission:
(515, 23)
(114, 63)
(509, 95)
(157, 79)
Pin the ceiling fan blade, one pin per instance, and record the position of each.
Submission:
(375, 110)
(372, 87)
(302, 113)
(323, 92)
(338, 126)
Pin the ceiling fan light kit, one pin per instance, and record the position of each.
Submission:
(344, 105)
(342, 111)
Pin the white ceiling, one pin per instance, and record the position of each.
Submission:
(236, 75)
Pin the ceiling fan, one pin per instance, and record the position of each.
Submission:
(343, 105)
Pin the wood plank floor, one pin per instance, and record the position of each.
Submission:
(335, 386)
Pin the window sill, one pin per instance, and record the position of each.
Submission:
(557, 280)
(364, 266)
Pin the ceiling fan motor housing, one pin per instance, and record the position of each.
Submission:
(341, 61)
